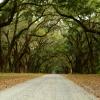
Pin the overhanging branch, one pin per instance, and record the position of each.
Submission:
(85, 28)
(9, 20)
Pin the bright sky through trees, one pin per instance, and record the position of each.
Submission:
(1, 1)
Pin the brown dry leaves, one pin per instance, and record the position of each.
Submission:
(8, 80)
(90, 82)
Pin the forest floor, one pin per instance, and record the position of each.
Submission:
(91, 83)
(9, 79)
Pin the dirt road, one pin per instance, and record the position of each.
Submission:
(48, 87)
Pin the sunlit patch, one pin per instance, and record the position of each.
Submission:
(1, 1)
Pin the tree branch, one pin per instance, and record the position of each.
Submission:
(4, 3)
(85, 28)
(9, 20)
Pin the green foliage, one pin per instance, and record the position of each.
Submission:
(57, 36)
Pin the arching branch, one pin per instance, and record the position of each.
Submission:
(12, 13)
(85, 28)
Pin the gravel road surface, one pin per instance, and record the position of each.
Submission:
(47, 87)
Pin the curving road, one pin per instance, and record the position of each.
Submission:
(48, 87)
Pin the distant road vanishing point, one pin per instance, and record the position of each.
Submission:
(47, 87)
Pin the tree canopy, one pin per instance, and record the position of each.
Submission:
(52, 36)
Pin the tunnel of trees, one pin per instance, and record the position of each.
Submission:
(50, 36)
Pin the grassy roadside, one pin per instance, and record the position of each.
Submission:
(9, 79)
(90, 82)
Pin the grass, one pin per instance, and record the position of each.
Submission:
(90, 82)
(9, 79)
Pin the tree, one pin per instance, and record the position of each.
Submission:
(48, 35)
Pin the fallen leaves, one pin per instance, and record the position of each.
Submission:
(8, 80)
(89, 82)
